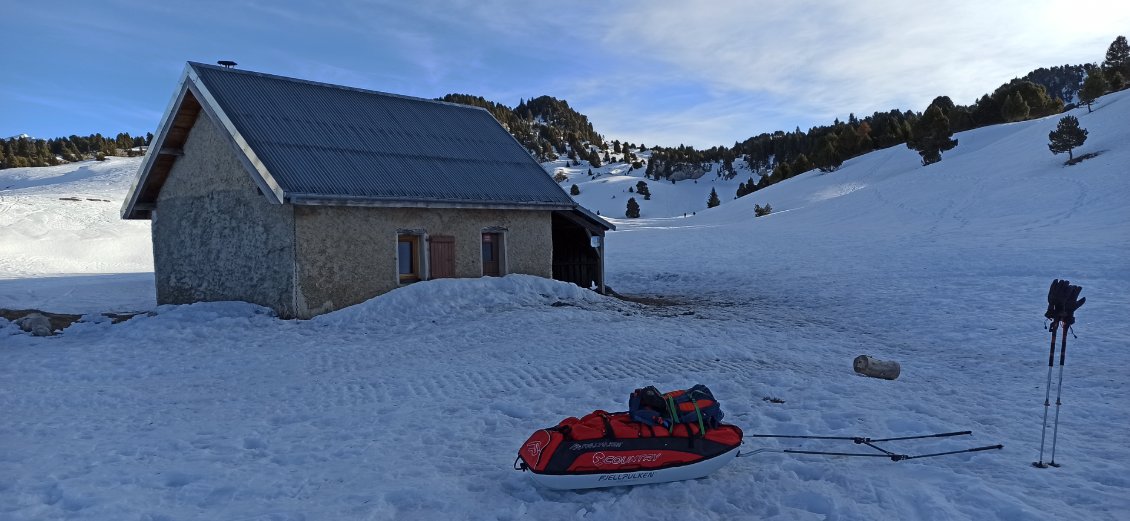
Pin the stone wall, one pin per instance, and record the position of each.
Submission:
(346, 255)
(215, 236)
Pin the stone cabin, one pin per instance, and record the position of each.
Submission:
(308, 197)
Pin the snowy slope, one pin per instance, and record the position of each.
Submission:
(414, 404)
(607, 191)
(63, 246)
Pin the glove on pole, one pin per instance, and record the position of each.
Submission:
(1062, 302)
(1070, 303)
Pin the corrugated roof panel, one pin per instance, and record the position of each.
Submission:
(329, 141)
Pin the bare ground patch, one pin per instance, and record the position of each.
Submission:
(61, 321)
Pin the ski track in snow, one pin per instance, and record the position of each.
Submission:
(413, 405)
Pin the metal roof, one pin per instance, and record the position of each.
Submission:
(312, 143)
(321, 142)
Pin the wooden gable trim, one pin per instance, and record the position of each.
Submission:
(190, 100)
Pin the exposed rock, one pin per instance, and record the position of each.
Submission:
(56, 321)
(36, 324)
(684, 171)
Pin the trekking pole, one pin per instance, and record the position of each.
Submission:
(1047, 398)
(1059, 392)
(1062, 304)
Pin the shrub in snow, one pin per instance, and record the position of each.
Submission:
(759, 210)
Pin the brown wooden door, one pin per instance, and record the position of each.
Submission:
(441, 256)
(491, 265)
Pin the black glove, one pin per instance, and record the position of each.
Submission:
(1069, 303)
(1056, 296)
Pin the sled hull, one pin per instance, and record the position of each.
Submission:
(638, 477)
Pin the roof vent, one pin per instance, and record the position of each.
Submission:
(227, 63)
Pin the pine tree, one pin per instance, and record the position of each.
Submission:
(1015, 108)
(23, 147)
(1066, 136)
(931, 135)
(1118, 56)
(1116, 80)
(574, 190)
(801, 164)
(641, 188)
(1093, 87)
(713, 201)
(827, 158)
(781, 172)
(633, 211)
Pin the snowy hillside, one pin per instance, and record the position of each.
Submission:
(606, 191)
(63, 246)
(413, 405)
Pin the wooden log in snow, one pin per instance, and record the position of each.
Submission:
(875, 368)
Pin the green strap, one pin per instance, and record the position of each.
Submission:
(672, 409)
(701, 427)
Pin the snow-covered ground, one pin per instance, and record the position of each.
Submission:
(414, 404)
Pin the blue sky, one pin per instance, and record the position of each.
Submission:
(659, 72)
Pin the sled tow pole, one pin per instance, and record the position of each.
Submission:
(870, 442)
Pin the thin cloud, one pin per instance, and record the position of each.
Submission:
(718, 121)
(861, 56)
(661, 72)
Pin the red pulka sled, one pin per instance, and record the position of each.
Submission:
(664, 437)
